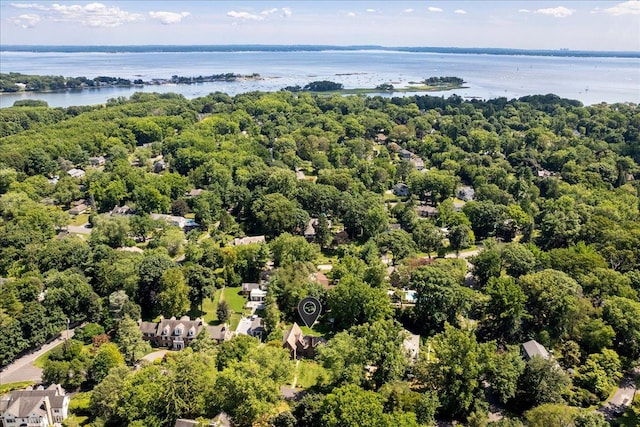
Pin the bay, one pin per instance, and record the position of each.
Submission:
(589, 79)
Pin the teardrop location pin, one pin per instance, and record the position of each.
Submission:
(309, 309)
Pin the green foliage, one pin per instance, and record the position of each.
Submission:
(353, 302)
(369, 355)
(130, 342)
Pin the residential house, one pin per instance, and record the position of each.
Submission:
(466, 193)
(78, 209)
(257, 295)
(321, 279)
(76, 173)
(159, 166)
(534, 348)
(195, 192)
(248, 287)
(257, 327)
(38, 407)
(178, 333)
(381, 138)
(248, 240)
(97, 161)
(427, 211)
(405, 154)
(401, 190)
(176, 221)
(300, 345)
(122, 210)
(310, 230)
(417, 163)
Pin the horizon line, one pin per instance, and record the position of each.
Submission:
(310, 46)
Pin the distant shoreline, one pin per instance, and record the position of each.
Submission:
(310, 48)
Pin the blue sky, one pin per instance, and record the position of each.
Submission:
(584, 25)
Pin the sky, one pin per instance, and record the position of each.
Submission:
(557, 24)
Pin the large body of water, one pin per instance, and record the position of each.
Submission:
(589, 79)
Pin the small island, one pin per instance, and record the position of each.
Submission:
(431, 84)
(17, 82)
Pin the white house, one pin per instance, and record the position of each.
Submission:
(35, 407)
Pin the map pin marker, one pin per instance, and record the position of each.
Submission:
(309, 309)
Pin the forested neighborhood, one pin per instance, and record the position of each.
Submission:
(477, 262)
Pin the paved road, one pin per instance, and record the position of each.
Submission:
(623, 397)
(155, 355)
(23, 369)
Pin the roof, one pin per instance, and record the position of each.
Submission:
(257, 293)
(248, 240)
(22, 403)
(148, 327)
(534, 348)
(24, 406)
(181, 422)
(220, 332)
(248, 287)
(75, 173)
(292, 336)
(195, 192)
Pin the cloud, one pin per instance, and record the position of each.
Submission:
(434, 9)
(524, 10)
(631, 7)
(371, 10)
(244, 16)
(91, 14)
(269, 11)
(460, 12)
(408, 10)
(286, 12)
(27, 21)
(168, 18)
(556, 12)
(351, 14)
(28, 6)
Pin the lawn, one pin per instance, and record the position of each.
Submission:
(5, 388)
(40, 361)
(310, 374)
(234, 321)
(79, 220)
(234, 298)
(210, 306)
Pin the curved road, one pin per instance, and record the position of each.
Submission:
(22, 369)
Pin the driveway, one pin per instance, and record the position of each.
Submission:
(623, 397)
(22, 369)
(244, 326)
(79, 229)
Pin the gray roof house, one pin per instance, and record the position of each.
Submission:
(401, 189)
(248, 240)
(178, 333)
(35, 407)
(534, 348)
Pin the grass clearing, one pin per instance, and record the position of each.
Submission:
(311, 374)
(234, 298)
(234, 320)
(80, 402)
(210, 306)
(5, 388)
(42, 359)
(79, 220)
